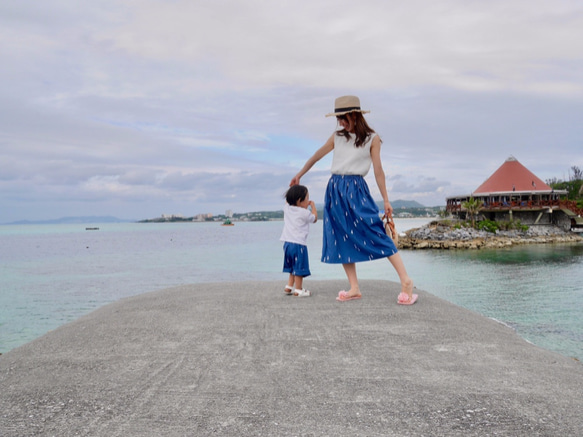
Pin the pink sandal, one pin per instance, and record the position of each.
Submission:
(404, 299)
(343, 296)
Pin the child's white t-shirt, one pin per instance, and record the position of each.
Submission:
(296, 224)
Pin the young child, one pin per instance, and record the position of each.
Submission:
(298, 212)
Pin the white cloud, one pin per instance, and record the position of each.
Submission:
(215, 105)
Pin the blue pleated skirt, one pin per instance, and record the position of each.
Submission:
(353, 230)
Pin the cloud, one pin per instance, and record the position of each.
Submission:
(129, 108)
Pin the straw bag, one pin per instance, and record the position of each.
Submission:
(390, 228)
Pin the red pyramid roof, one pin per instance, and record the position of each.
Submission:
(512, 176)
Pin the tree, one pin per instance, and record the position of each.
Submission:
(574, 186)
(472, 206)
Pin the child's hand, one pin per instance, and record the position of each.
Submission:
(314, 210)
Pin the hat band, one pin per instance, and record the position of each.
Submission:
(351, 108)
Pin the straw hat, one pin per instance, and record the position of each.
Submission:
(345, 104)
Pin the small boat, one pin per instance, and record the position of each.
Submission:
(91, 229)
(228, 223)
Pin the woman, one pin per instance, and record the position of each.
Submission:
(353, 230)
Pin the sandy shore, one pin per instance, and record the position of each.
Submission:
(243, 359)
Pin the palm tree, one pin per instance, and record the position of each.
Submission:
(472, 206)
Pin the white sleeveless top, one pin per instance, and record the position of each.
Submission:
(349, 159)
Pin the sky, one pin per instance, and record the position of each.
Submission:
(141, 108)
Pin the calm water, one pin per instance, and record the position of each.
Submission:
(53, 274)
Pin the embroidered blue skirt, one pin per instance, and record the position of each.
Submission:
(353, 230)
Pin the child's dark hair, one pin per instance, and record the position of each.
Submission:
(296, 193)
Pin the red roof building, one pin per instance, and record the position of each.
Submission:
(513, 191)
(512, 176)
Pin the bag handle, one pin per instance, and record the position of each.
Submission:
(390, 228)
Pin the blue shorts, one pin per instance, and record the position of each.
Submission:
(295, 259)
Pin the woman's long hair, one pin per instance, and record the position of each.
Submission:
(361, 129)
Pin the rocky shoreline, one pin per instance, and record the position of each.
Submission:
(438, 236)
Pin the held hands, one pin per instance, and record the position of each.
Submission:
(295, 181)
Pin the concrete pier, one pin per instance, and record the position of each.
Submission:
(243, 359)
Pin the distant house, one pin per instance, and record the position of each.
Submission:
(514, 192)
(202, 217)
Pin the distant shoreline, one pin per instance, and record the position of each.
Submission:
(402, 209)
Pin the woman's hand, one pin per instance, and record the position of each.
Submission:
(388, 208)
(295, 181)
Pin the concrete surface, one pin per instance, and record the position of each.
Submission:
(243, 359)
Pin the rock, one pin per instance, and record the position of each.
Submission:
(439, 236)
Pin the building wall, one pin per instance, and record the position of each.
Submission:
(557, 218)
(562, 220)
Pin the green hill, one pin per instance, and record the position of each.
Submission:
(398, 204)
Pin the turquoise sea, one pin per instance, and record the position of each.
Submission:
(53, 274)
